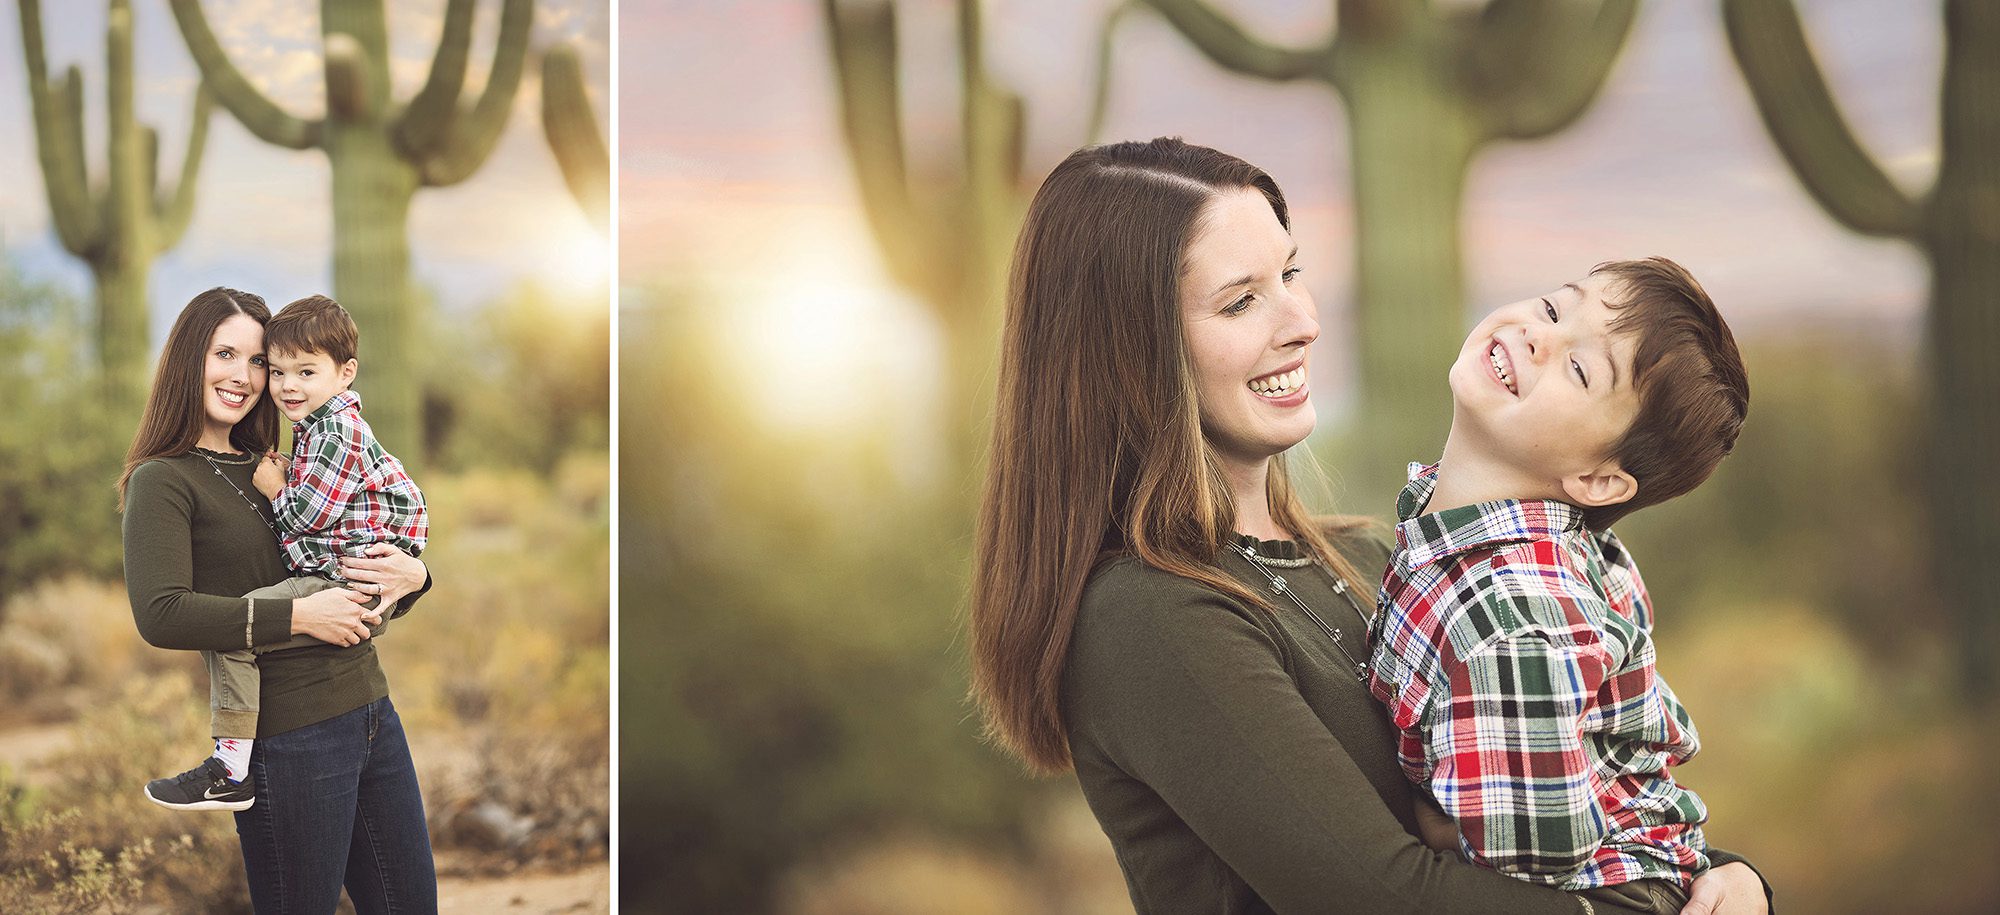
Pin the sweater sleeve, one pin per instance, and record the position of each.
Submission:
(159, 575)
(1180, 689)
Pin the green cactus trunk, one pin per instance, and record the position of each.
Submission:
(1961, 235)
(1411, 145)
(123, 322)
(372, 192)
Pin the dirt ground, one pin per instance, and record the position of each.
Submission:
(25, 750)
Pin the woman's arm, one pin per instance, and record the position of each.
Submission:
(159, 575)
(1192, 698)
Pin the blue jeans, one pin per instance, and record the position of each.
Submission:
(337, 804)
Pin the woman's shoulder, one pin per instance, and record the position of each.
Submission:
(1125, 597)
(159, 471)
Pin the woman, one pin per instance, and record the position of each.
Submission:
(337, 799)
(1136, 518)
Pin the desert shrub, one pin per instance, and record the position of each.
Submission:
(502, 673)
(61, 444)
(66, 639)
(91, 836)
(524, 384)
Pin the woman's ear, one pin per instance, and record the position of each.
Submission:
(1605, 484)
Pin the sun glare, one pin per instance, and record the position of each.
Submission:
(578, 262)
(828, 357)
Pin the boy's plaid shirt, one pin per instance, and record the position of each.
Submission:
(1513, 648)
(344, 491)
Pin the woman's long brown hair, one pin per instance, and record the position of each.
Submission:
(174, 412)
(1097, 444)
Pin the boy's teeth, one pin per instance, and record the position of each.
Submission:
(1279, 385)
(1499, 358)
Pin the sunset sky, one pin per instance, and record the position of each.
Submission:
(262, 221)
(733, 173)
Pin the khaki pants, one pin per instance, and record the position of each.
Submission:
(234, 686)
(1660, 897)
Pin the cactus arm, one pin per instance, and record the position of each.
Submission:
(422, 126)
(570, 124)
(58, 114)
(1232, 48)
(473, 134)
(1798, 110)
(348, 93)
(864, 45)
(259, 115)
(1100, 97)
(1532, 67)
(993, 114)
(173, 213)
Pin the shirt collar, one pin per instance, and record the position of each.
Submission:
(342, 401)
(1426, 538)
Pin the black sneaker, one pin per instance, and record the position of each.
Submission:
(204, 787)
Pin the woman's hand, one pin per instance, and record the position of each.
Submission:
(1732, 889)
(386, 572)
(334, 616)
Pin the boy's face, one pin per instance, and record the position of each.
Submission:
(302, 382)
(1543, 387)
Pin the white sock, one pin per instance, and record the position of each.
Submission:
(235, 755)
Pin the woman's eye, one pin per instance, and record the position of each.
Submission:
(1579, 373)
(258, 361)
(1237, 307)
(1550, 308)
(1293, 273)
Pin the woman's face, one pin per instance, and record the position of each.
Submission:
(1249, 322)
(232, 375)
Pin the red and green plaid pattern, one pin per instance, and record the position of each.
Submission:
(1513, 648)
(344, 492)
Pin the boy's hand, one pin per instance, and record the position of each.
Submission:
(1434, 827)
(269, 477)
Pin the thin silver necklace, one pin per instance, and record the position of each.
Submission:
(216, 466)
(1281, 586)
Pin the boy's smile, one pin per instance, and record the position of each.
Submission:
(303, 382)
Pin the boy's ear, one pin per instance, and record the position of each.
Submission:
(1605, 484)
(347, 370)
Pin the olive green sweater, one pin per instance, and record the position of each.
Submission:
(1238, 766)
(193, 547)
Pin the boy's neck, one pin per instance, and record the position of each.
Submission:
(1466, 475)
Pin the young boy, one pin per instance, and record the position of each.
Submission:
(1513, 643)
(338, 494)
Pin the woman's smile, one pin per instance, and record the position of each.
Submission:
(1285, 387)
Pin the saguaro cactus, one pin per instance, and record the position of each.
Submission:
(572, 129)
(1957, 227)
(381, 154)
(943, 236)
(120, 225)
(1426, 87)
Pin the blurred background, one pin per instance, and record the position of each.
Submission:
(817, 198)
(446, 178)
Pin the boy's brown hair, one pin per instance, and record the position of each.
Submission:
(1693, 392)
(314, 324)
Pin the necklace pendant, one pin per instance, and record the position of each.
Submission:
(1336, 635)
